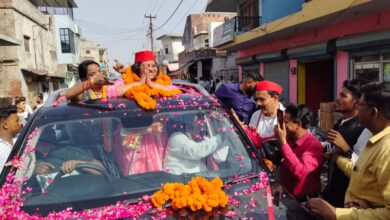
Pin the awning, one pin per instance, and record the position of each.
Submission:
(271, 56)
(368, 40)
(40, 72)
(173, 66)
(36, 71)
(222, 6)
(9, 41)
(55, 3)
(182, 70)
(58, 75)
(245, 60)
(313, 50)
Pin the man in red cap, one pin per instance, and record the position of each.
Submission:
(267, 100)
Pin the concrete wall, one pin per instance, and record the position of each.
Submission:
(170, 55)
(199, 41)
(174, 45)
(177, 47)
(92, 47)
(212, 26)
(198, 23)
(23, 19)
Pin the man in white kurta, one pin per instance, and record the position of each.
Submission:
(184, 155)
(267, 100)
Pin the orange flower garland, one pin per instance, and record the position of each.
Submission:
(198, 194)
(143, 94)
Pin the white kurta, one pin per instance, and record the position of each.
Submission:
(5, 150)
(264, 125)
(185, 155)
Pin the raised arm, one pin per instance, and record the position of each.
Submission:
(74, 93)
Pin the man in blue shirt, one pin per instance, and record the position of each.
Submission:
(239, 96)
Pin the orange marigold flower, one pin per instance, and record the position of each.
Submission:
(217, 183)
(199, 193)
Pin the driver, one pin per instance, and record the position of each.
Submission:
(52, 158)
(188, 151)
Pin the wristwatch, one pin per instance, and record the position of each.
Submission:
(348, 154)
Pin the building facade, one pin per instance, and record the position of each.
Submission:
(171, 46)
(90, 50)
(31, 65)
(199, 59)
(315, 45)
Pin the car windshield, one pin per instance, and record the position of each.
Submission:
(120, 155)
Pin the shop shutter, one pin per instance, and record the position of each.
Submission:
(278, 73)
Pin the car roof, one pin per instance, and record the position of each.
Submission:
(193, 97)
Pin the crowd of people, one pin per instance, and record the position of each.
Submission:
(358, 184)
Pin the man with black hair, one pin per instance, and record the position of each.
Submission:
(264, 120)
(39, 100)
(22, 110)
(9, 127)
(368, 193)
(239, 96)
(302, 152)
(344, 136)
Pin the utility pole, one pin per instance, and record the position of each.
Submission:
(151, 29)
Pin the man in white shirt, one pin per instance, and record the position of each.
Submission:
(39, 101)
(267, 100)
(360, 144)
(9, 126)
(185, 155)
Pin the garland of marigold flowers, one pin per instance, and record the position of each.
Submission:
(198, 194)
(143, 94)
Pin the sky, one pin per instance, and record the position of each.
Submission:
(120, 25)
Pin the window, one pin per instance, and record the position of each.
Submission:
(206, 43)
(27, 43)
(88, 52)
(372, 68)
(67, 40)
(57, 10)
(166, 50)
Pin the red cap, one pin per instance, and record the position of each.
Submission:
(269, 86)
(142, 56)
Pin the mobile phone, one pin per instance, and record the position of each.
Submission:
(279, 115)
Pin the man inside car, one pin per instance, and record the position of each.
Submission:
(188, 150)
(53, 158)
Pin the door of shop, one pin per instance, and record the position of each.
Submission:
(278, 73)
(319, 83)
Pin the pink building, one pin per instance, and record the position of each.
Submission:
(312, 51)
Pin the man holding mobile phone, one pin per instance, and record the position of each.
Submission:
(302, 153)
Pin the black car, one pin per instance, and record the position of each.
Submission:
(103, 159)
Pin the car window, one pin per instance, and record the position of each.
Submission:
(117, 156)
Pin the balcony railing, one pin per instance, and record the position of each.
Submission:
(246, 23)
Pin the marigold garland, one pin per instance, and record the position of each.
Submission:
(199, 193)
(143, 94)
